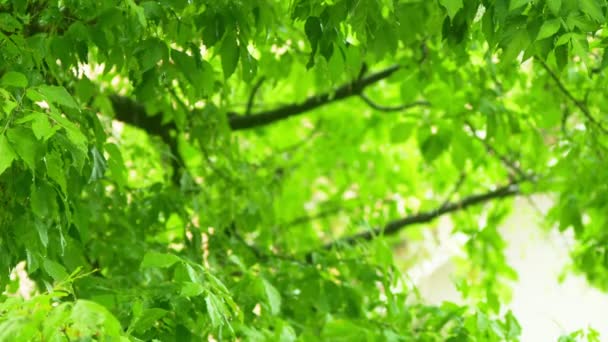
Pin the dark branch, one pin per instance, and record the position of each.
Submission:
(396, 226)
(578, 103)
(398, 108)
(347, 90)
(133, 113)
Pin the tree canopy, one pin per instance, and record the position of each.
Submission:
(193, 169)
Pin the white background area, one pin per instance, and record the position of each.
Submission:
(544, 307)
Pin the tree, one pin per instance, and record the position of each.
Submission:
(174, 170)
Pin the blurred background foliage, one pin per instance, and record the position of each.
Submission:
(186, 170)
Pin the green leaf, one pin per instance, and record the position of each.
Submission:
(452, 6)
(138, 12)
(565, 38)
(42, 200)
(211, 302)
(592, 8)
(55, 170)
(8, 23)
(514, 46)
(549, 28)
(14, 79)
(343, 330)
(73, 132)
(7, 155)
(273, 296)
(190, 289)
(43, 232)
(58, 95)
(512, 326)
(91, 315)
(42, 128)
(153, 51)
(515, 4)
(434, 145)
(230, 54)
(314, 32)
(160, 260)
(99, 165)
(410, 88)
(40, 125)
(116, 164)
(25, 144)
(55, 270)
(554, 6)
(401, 132)
(148, 318)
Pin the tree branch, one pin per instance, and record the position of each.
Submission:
(398, 108)
(346, 90)
(398, 225)
(580, 104)
(133, 113)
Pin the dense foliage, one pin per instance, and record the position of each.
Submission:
(175, 170)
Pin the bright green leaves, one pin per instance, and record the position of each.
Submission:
(214, 310)
(87, 314)
(161, 260)
(55, 270)
(345, 330)
(272, 295)
(14, 79)
(452, 6)
(190, 289)
(554, 6)
(146, 319)
(515, 4)
(58, 95)
(593, 9)
(230, 54)
(401, 132)
(549, 28)
(40, 124)
(7, 154)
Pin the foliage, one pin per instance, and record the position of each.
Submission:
(174, 170)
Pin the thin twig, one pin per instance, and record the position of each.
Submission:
(240, 122)
(505, 161)
(457, 186)
(396, 226)
(262, 255)
(308, 218)
(580, 104)
(254, 91)
(398, 108)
